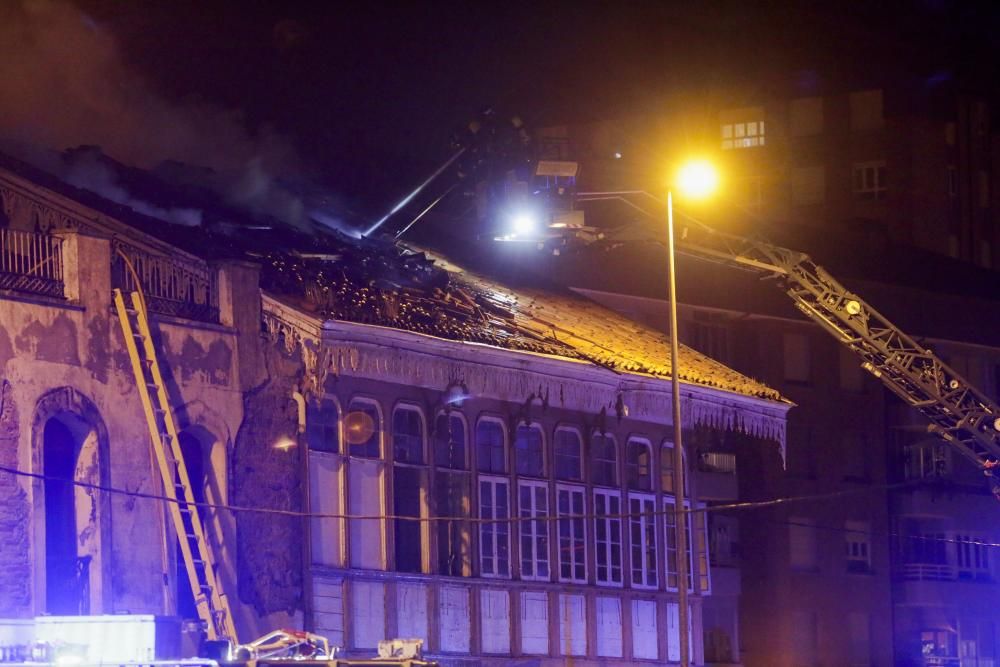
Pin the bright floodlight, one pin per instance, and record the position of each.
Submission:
(697, 179)
(523, 224)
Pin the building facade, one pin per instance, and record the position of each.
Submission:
(487, 471)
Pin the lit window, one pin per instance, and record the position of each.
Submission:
(362, 426)
(528, 448)
(608, 536)
(638, 465)
(407, 435)
(494, 531)
(870, 180)
(572, 534)
(323, 426)
(533, 508)
(449, 441)
(604, 468)
(568, 457)
(858, 543)
(742, 135)
(491, 446)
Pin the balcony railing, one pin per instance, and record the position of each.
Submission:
(717, 462)
(171, 286)
(31, 263)
(928, 572)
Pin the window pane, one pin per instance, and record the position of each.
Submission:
(490, 446)
(638, 466)
(362, 426)
(407, 436)
(605, 461)
(528, 451)
(567, 455)
(323, 426)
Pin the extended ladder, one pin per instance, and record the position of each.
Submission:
(213, 608)
(959, 413)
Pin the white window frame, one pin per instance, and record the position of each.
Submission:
(541, 431)
(528, 526)
(670, 534)
(506, 444)
(646, 518)
(610, 523)
(497, 522)
(409, 407)
(572, 489)
(579, 439)
(380, 431)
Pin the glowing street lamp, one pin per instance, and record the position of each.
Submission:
(695, 180)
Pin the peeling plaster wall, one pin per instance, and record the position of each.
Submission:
(15, 566)
(46, 344)
(270, 546)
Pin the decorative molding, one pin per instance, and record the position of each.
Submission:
(419, 360)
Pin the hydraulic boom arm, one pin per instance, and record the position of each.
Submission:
(959, 413)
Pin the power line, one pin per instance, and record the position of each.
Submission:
(742, 506)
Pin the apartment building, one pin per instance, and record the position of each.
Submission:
(893, 191)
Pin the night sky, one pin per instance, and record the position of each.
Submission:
(367, 94)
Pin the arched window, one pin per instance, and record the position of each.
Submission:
(323, 425)
(449, 441)
(529, 450)
(638, 465)
(604, 460)
(362, 428)
(491, 445)
(407, 434)
(568, 454)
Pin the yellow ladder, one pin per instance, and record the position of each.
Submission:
(213, 607)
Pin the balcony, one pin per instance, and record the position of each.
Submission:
(173, 286)
(717, 476)
(31, 263)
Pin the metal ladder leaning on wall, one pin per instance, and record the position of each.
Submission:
(213, 607)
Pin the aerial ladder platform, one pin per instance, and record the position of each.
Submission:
(212, 604)
(959, 413)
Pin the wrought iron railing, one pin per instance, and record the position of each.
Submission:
(31, 263)
(171, 286)
(927, 572)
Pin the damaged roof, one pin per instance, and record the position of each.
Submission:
(424, 293)
(383, 283)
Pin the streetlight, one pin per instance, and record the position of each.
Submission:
(696, 179)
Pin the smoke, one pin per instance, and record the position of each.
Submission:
(64, 83)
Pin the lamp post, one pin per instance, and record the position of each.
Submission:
(695, 180)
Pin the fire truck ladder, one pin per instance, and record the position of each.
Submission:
(213, 608)
(959, 413)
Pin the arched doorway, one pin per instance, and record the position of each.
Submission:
(70, 445)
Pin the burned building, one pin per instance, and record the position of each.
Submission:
(387, 444)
